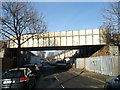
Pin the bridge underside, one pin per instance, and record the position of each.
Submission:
(84, 47)
(84, 51)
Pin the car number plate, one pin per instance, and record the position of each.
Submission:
(7, 82)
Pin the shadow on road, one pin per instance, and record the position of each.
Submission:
(50, 71)
(46, 79)
(70, 79)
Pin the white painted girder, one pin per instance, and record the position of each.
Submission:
(64, 38)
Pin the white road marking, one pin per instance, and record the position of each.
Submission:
(62, 86)
(57, 78)
(94, 87)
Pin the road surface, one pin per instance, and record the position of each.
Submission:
(58, 78)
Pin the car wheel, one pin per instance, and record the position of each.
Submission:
(107, 86)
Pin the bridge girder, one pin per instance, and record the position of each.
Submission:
(57, 48)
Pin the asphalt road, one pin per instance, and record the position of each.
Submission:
(58, 78)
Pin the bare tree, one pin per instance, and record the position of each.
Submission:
(20, 18)
(106, 35)
(112, 23)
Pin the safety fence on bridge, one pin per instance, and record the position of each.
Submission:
(63, 38)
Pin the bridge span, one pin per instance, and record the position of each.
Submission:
(62, 40)
(59, 48)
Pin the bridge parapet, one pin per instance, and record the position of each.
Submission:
(63, 38)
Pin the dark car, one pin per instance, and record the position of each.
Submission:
(34, 68)
(18, 78)
(63, 64)
(46, 65)
(52, 63)
(113, 83)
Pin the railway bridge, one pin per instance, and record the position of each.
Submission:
(62, 40)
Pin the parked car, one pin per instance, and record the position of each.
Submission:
(34, 68)
(113, 83)
(52, 63)
(63, 64)
(18, 78)
(46, 65)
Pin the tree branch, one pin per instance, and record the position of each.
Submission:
(5, 23)
(8, 33)
(27, 39)
(9, 38)
(10, 28)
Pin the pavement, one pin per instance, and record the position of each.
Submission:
(93, 75)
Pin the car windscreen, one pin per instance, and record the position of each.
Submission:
(13, 74)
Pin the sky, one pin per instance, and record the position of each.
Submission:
(66, 16)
